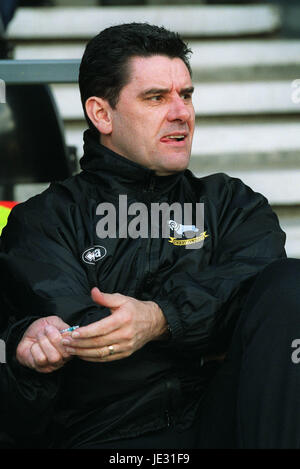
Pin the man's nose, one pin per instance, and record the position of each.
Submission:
(178, 110)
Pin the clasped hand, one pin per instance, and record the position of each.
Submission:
(132, 324)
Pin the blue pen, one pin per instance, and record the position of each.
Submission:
(69, 329)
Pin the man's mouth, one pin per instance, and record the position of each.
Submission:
(174, 138)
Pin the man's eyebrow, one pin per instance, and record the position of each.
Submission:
(151, 91)
(154, 91)
(190, 90)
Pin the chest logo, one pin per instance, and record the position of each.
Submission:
(181, 230)
(94, 254)
(186, 242)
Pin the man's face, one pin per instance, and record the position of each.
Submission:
(153, 122)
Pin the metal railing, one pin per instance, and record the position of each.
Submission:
(39, 71)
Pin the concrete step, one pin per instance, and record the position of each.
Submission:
(235, 138)
(280, 187)
(293, 240)
(239, 145)
(265, 156)
(231, 144)
(289, 219)
(190, 21)
(255, 59)
(209, 54)
(212, 61)
(215, 99)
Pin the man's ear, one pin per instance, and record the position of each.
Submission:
(99, 112)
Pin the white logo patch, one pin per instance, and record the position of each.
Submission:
(94, 254)
(180, 229)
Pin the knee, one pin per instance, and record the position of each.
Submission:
(274, 299)
(281, 278)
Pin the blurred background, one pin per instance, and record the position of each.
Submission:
(246, 71)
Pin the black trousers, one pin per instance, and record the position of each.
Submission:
(254, 399)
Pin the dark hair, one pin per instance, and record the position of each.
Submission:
(104, 67)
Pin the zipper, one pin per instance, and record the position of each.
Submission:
(168, 418)
(150, 189)
(169, 405)
(145, 270)
(151, 184)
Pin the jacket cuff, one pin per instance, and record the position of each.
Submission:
(12, 339)
(173, 320)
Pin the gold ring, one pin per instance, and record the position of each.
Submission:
(111, 349)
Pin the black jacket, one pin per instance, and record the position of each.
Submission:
(44, 257)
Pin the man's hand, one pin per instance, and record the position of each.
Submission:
(41, 345)
(132, 324)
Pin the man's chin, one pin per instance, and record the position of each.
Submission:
(179, 162)
(173, 167)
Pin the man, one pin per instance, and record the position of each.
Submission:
(156, 312)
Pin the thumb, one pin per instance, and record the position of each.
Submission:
(57, 322)
(110, 300)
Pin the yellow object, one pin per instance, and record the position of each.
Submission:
(5, 209)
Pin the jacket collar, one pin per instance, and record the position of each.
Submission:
(123, 174)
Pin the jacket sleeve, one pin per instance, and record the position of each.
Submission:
(27, 397)
(40, 269)
(202, 308)
(39, 276)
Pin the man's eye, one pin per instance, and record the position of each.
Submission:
(186, 96)
(155, 98)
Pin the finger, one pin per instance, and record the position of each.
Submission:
(55, 339)
(53, 356)
(98, 353)
(25, 357)
(109, 300)
(94, 342)
(39, 359)
(57, 322)
(99, 328)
